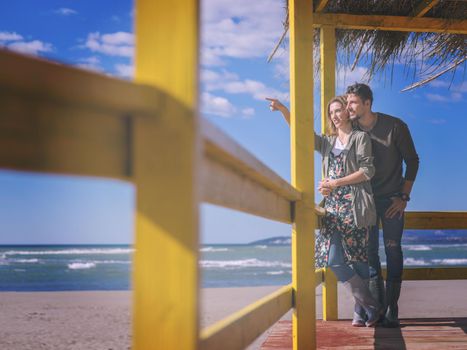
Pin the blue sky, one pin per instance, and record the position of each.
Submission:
(235, 78)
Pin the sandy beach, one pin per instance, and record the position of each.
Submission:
(102, 320)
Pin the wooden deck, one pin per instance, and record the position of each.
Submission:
(415, 333)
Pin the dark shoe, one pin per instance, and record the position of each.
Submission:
(393, 291)
(373, 315)
(376, 286)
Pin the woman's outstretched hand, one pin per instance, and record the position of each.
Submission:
(276, 105)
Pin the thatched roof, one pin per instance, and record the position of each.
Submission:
(426, 55)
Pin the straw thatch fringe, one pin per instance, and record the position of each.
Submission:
(426, 55)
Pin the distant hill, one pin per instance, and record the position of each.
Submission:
(409, 237)
(281, 240)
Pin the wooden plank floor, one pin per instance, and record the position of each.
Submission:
(416, 333)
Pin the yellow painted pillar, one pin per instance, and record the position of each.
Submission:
(327, 70)
(302, 148)
(328, 91)
(165, 153)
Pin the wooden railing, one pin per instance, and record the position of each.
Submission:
(63, 120)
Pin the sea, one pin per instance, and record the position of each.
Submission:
(259, 263)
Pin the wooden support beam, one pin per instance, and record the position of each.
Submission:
(70, 87)
(327, 71)
(423, 7)
(436, 220)
(321, 5)
(302, 149)
(329, 295)
(167, 154)
(242, 328)
(232, 177)
(432, 273)
(391, 23)
(60, 119)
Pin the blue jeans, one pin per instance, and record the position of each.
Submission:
(337, 263)
(392, 236)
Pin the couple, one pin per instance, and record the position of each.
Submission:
(360, 146)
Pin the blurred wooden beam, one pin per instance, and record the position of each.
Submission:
(321, 5)
(424, 6)
(240, 329)
(391, 23)
(436, 220)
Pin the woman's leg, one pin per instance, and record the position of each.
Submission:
(336, 259)
(361, 269)
(352, 281)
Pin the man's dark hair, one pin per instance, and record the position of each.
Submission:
(361, 90)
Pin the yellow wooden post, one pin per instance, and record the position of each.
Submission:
(302, 148)
(165, 151)
(327, 70)
(328, 90)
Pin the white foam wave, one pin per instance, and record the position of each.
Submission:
(415, 262)
(450, 261)
(281, 272)
(417, 247)
(79, 266)
(104, 251)
(212, 249)
(261, 246)
(282, 241)
(239, 264)
(25, 261)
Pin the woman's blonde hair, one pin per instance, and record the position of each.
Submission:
(331, 129)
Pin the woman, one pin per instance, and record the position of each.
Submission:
(350, 210)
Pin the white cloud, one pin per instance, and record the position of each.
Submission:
(216, 105)
(452, 97)
(439, 83)
(114, 44)
(281, 61)
(125, 70)
(90, 63)
(65, 11)
(345, 76)
(230, 83)
(248, 112)
(249, 29)
(34, 47)
(9, 36)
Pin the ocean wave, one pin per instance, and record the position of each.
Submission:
(281, 272)
(417, 247)
(239, 264)
(79, 266)
(261, 246)
(450, 261)
(24, 261)
(415, 262)
(212, 249)
(96, 251)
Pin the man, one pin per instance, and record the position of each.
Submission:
(392, 145)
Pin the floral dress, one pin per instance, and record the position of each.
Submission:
(339, 217)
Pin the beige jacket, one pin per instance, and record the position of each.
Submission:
(357, 155)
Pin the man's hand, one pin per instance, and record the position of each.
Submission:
(397, 208)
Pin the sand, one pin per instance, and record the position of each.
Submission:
(102, 320)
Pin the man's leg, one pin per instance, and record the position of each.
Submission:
(376, 283)
(392, 236)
